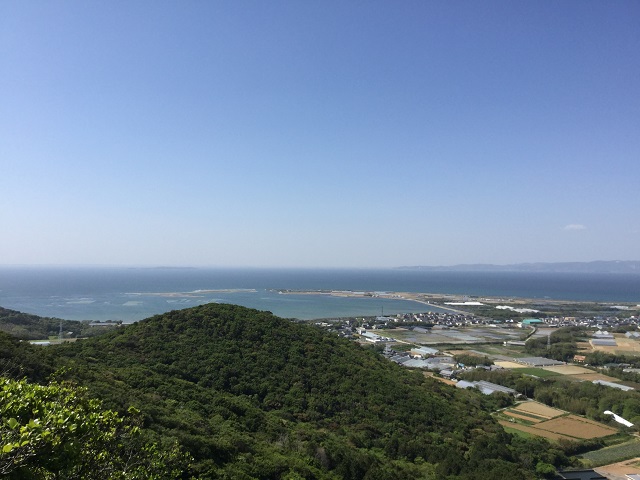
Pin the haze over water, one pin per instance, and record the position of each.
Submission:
(126, 293)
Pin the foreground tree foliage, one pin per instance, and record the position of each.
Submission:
(250, 395)
(56, 431)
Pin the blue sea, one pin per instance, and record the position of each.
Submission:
(131, 294)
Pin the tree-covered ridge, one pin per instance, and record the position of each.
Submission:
(251, 395)
(33, 327)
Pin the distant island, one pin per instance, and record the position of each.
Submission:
(601, 266)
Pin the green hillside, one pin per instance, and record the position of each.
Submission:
(33, 327)
(251, 395)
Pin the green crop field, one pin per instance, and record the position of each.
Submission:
(538, 372)
(613, 454)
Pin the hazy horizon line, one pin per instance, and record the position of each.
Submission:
(301, 267)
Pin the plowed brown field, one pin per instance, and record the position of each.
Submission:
(577, 427)
(539, 409)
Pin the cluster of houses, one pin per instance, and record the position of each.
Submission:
(464, 319)
(435, 318)
(599, 322)
(453, 320)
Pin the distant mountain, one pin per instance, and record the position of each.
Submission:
(615, 266)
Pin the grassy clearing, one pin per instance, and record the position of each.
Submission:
(614, 454)
(538, 372)
(616, 440)
(403, 347)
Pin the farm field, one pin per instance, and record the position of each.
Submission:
(539, 410)
(533, 431)
(617, 453)
(537, 419)
(575, 372)
(625, 346)
(538, 372)
(568, 369)
(578, 427)
(455, 336)
(590, 377)
(570, 372)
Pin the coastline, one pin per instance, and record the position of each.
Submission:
(444, 301)
(407, 296)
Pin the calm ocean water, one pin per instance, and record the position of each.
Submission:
(128, 293)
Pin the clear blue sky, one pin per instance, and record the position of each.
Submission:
(332, 134)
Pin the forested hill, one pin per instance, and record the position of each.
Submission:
(251, 395)
(33, 327)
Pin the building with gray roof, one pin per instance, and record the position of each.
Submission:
(538, 361)
(613, 385)
(486, 387)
